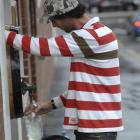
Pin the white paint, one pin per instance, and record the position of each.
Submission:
(4, 4)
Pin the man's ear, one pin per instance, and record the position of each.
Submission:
(57, 22)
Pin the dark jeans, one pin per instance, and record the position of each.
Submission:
(95, 136)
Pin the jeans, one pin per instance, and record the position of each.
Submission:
(95, 136)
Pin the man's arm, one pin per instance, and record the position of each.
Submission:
(45, 107)
(60, 101)
(70, 45)
(98, 44)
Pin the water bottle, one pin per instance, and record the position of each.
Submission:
(33, 124)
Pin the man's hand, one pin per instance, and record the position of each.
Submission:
(40, 108)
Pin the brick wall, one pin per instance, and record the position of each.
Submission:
(27, 20)
(39, 70)
(23, 18)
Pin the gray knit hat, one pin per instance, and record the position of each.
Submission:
(58, 7)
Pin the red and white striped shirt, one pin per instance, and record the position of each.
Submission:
(93, 100)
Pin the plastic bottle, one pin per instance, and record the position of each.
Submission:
(34, 128)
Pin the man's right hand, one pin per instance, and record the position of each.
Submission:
(40, 108)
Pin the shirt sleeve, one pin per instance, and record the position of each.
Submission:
(60, 101)
(69, 45)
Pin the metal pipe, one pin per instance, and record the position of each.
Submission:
(4, 77)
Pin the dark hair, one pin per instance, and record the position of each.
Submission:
(75, 13)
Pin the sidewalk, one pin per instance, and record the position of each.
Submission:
(130, 78)
(129, 59)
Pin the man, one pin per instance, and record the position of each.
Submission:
(93, 100)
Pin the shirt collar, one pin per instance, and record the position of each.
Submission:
(91, 21)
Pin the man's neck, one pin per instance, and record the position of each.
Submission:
(79, 23)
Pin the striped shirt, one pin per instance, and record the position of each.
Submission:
(93, 100)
